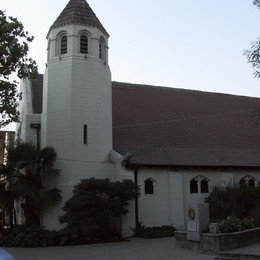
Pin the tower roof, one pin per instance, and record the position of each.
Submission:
(78, 12)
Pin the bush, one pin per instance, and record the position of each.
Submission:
(37, 236)
(232, 200)
(28, 236)
(231, 224)
(94, 205)
(154, 232)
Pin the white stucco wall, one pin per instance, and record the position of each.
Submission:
(165, 206)
(77, 92)
(172, 197)
(72, 172)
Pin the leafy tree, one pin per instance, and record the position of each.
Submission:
(96, 202)
(232, 200)
(257, 3)
(13, 59)
(25, 175)
(253, 55)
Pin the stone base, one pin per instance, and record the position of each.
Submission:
(215, 243)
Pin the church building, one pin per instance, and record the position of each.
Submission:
(174, 143)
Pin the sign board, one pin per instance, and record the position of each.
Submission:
(192, 226)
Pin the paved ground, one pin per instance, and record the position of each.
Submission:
(252, 251)
(135, 249)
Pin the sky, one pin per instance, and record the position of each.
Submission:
(190, 44)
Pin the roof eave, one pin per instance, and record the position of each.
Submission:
(177, 166)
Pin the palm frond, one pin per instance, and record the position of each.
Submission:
(26, 172)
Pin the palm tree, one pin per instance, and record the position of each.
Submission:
(27, 173)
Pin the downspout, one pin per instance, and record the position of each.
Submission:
(136, 200)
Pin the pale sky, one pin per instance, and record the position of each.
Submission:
(191, 44)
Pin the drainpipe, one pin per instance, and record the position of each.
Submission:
(136, 200)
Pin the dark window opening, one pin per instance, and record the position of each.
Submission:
(84, 44)
(204, 187)
(100, 50)
(193, 186)
(85, 133)
(63, 45)
(251, 183)
(247, 181)
(148, 187)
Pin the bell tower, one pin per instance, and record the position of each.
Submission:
(77, 103)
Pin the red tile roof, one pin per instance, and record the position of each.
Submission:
(78, 12)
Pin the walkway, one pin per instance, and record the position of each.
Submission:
(135, 249)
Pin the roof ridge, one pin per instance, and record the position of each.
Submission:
(132, 85)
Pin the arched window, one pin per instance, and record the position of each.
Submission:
(247, 180)
(148, 186)
(193, 186)
(251, 183)
(204, 187)
(85, 134)
(102, 53)
(199, 184)
(63, 44)
(84, 44)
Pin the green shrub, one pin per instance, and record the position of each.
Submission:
(28, 236)
(154, 232)
(37, 236)
(94, 205)
(232, 200)
(231, 224)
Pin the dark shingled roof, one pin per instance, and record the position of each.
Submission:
(78, 12)
(162, 126)
(177, 127)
